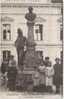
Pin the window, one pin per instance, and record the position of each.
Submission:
(6, 32)
(61, 56)
(62, 11)
(61, 32)
(39, 32)
(6, 55)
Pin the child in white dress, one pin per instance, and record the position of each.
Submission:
(49, 72)
(36, 79)
(42, 78)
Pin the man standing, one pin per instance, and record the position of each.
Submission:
(12, 73)
(4, 67)
(47, 61)
(57, 75)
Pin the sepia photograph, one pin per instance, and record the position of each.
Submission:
(31, 49)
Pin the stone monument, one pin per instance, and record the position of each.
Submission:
(31, 57)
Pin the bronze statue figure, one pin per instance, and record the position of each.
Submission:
(20, 43)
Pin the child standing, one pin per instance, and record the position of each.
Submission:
(42, 78)
(36, 79)
(49, 72)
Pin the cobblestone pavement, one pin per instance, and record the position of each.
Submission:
(25, 95)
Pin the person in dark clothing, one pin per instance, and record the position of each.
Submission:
(4, 66)
(11, 74)
(57, 75)
(46, 61)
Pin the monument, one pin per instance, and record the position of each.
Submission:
(31, 57)
(30, 60)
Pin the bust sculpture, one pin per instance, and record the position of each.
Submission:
(30, 16)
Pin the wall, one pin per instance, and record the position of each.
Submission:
(51, 44)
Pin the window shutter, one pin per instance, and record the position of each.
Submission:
(61, 32)
(40, 30)
(4, 34)
(61, 35)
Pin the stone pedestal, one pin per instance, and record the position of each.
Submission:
(31, 58)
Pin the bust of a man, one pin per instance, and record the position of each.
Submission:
(30, 16)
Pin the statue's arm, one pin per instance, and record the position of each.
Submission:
(16, 43)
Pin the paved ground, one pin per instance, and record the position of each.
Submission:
(5, 94)
(22, 95)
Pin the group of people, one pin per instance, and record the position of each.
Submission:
(44, 77)
(8, 73)
(48, 78)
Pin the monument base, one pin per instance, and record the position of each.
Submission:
(31, 59)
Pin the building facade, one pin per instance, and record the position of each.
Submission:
(47, 29)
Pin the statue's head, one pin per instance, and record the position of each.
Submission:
(30, 9)
(19, 31)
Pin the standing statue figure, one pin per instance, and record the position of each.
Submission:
(20, 44)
